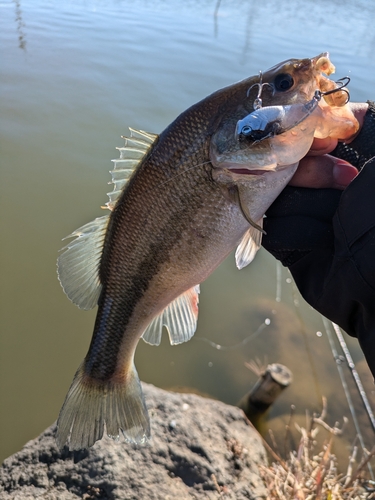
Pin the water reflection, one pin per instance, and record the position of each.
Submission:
(216, 12)
(20, 25)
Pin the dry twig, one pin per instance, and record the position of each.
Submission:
(310, 476)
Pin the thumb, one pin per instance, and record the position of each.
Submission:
(324, 171)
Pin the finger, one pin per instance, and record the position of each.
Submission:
(322, 146)
(359, 109)
(323, 172)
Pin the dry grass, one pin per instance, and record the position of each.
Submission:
(308, 475)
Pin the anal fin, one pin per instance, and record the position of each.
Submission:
(179, 317)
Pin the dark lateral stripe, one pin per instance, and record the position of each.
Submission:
(117, 305)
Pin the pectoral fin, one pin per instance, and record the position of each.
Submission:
(249, 245)
(179, 317)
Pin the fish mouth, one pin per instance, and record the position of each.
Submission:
(245, 171)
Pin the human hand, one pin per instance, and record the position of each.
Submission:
(319, 169)
(300, 219)
(327, 236)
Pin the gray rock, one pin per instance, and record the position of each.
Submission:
(200, 448)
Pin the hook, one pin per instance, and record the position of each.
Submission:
(258, 103)
(341, 84)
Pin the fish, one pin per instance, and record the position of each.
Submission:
(181, 202)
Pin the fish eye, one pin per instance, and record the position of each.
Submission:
(283, 82)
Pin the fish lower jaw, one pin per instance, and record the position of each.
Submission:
(245, 171)
(240, 173)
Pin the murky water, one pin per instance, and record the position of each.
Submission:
(74, 77)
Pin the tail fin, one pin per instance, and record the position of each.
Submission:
(91, 404)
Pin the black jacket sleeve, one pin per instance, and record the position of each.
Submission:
(339, 280)
(327, 239)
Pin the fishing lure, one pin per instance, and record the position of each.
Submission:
(266, 122)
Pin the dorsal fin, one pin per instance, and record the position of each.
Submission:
(249, 245)
(131, 154)
(179, 317)
(78, 264)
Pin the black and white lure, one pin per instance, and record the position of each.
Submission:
(266, 122)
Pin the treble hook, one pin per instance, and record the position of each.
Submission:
(341, 84)
(258, 103)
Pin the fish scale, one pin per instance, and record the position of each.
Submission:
(198, 190)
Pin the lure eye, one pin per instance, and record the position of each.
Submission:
(283, 82)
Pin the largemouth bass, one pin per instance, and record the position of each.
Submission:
(182, 201)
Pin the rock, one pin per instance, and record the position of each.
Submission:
(200, 448)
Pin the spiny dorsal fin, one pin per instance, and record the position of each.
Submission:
(78, 264)
(249, 245)
(131, 154)
(179, 317)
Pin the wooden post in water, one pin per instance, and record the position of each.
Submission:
(269, 386)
